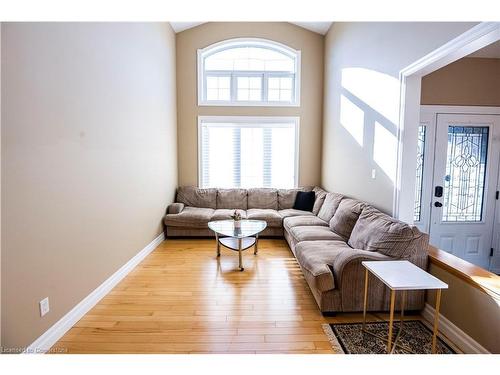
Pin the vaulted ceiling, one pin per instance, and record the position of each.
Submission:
(317, 27)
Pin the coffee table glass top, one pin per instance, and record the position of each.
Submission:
(403, 275)
(247, 228)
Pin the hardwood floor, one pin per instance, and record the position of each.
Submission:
(183, 299)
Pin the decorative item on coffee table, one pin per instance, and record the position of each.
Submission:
(236, 216)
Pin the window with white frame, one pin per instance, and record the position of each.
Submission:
(248, 152)
(248, 72)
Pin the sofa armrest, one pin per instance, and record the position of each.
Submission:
(175, 208)
(355, 256)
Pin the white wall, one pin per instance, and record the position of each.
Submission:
(361, 102)
(89, 159)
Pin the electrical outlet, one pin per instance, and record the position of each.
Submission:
(44, 306)
(374, 173)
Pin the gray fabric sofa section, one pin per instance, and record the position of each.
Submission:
(329, 243)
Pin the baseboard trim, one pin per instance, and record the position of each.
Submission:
(458, 337)
(63, 325)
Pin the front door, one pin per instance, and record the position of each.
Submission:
(466, 155)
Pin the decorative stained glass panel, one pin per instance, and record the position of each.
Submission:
(465, 173)
(420, 173)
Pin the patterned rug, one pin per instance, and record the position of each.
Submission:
(415, 338)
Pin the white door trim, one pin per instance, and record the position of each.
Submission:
(456, 109)
(472, 40)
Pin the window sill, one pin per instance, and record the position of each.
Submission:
(476, 276)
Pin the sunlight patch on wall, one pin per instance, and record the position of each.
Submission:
(385, 150)
(352, 119)
(377, 90)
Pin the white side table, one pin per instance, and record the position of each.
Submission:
(401, 275)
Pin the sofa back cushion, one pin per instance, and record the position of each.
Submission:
(329, 206)
(263, 198)
(376, 231)
(345, 217)
(286, 197)
(318, 200)
(193, 196)
(232, 199)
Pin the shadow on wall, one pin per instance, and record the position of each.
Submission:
(368, 116)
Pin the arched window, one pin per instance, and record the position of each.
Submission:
(248, 72)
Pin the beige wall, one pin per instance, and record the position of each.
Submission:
(468, 81)
(88, 159)
(472, 310)
(362, 64)
(310, 111)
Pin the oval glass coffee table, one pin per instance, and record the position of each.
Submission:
(237, 238)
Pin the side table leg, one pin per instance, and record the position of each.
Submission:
(391, 320)
(403, 303)
(365, 301)
(436, 320)
(256, 249)
(239, 255)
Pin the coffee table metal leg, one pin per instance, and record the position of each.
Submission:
(436, 320)
(365, 300)
(256, 244)
(218, 244)
(239, 254)
(391, 321)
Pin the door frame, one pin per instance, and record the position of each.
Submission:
(410, 79)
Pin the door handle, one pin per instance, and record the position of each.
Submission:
(438, 204)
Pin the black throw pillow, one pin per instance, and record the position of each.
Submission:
(304, 200)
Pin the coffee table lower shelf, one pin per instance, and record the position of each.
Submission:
(232, 243)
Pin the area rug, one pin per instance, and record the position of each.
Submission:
(416, 338)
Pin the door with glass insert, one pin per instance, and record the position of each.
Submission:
(465, 175)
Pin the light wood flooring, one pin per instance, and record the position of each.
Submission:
(183, 299)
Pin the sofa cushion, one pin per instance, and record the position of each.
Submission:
(225, 214)
(196, 197)
(286, 197)
(232, 198)
(313, 232)
(376, 231)
(318, 257)
(263, 198)
(346, 216)
(293, 212)
(306, 220)
(319, 199)
(191, 217)
(329, 206)
(304, 200)
(271, 217)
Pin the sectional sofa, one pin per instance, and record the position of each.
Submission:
(329, 243)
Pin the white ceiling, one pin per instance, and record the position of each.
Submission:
(491, 51)
(317, 27)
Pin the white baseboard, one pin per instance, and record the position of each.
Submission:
(63, 325)
(458, 337)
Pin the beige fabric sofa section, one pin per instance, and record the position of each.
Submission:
(329, 243)
(195, 207)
